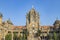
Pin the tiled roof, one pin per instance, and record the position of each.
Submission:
(20, 27)
(41, 27)
(45, 27)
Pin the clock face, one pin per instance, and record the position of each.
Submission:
(32, 28)
(33, 25)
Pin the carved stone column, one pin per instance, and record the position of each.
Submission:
(4, 35)
(12, 35)
(18, 34)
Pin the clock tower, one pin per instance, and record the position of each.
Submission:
(32, 23)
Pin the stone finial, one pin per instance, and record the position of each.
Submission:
(32, 6)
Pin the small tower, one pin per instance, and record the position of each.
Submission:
(1, 18)
(9, 21)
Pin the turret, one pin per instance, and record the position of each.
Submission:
(9, 22)
(56, 24)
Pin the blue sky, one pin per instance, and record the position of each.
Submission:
(16, 10)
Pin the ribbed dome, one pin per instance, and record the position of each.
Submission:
(57, 22)
(9, 21)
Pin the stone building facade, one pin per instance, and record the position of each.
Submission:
(33, 28)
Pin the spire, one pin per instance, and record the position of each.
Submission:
(33, 7)
(57, 21)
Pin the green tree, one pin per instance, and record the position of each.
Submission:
(15, 36)
(49, 37)
(59, 36)
(8, 36)
(39, 32)
(25, 34)
(54, 36)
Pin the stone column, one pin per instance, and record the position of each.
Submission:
(18, 34)
(4, 36)
(12, 35)
(0, 38)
